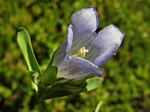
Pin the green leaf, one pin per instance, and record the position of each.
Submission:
(73, 82)
(55, 95)
(60, 90)
(79, 81)
(50, 75)
(91, 84)
(24, 42)
(63, 89)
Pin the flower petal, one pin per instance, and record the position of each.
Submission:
(105, 45)
(84, 22)
(106, 55)
(77, 67)
(64, 48)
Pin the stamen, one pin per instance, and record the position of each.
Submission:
(82, 52)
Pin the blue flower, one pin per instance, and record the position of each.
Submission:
(84, 50)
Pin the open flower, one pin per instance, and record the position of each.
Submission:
(84, 50)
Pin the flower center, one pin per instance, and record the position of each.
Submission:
(82, 52)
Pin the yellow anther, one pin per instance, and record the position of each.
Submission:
(82, 52)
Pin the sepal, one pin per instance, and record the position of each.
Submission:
(49, 76)
(70, 88)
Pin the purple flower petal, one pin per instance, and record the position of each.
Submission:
(77, 67)
(105, 45)
(64, 48)
(84, 22)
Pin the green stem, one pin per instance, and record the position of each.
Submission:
(43, 106)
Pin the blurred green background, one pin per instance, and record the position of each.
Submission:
(126, 85)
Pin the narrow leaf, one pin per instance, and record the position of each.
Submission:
(55, 95)
(98, 106)
(60, 87)
(61, 90)
(24, 42)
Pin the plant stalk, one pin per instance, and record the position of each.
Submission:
(43, 106)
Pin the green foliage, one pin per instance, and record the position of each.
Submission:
(66, 88)
(24, 42)
(126, 76)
